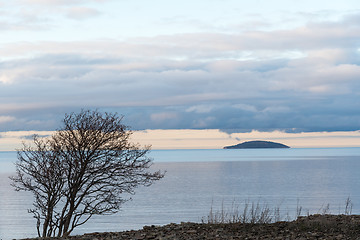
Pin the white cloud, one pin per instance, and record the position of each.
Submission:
(45, 19)
(163, 116)
(4, 119)
(5, 79)
(60, 2)
(245, 107)
(200, 109)
(276, 109)
(203, 122)
(80, 13)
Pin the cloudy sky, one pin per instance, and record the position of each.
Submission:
(265, 65)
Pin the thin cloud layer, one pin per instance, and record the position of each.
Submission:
(303, 78)
(42, 15)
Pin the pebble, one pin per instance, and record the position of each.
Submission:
(310, 227)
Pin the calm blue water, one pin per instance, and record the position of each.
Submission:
(197, 180)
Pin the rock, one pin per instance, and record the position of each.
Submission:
(311, 227)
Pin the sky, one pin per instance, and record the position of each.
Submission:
(221, 66)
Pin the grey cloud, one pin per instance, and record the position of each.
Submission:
(191, 81)
(177, 98)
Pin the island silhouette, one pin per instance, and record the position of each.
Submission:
(257, 144)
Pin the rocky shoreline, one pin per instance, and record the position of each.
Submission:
(310, 227)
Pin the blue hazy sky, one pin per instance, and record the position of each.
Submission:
(216, 64)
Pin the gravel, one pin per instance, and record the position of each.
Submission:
(310, 227)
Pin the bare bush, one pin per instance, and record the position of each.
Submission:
(260, 213)
(348, 206)
(82, 170)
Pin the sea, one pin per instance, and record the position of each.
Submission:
(197, 182)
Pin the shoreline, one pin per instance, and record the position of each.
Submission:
(310, 227)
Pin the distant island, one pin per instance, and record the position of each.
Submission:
(257, 144)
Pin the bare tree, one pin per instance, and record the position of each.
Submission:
(82, 170)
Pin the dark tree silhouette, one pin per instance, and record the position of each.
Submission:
(82, 170)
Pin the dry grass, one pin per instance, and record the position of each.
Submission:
(261, 213)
